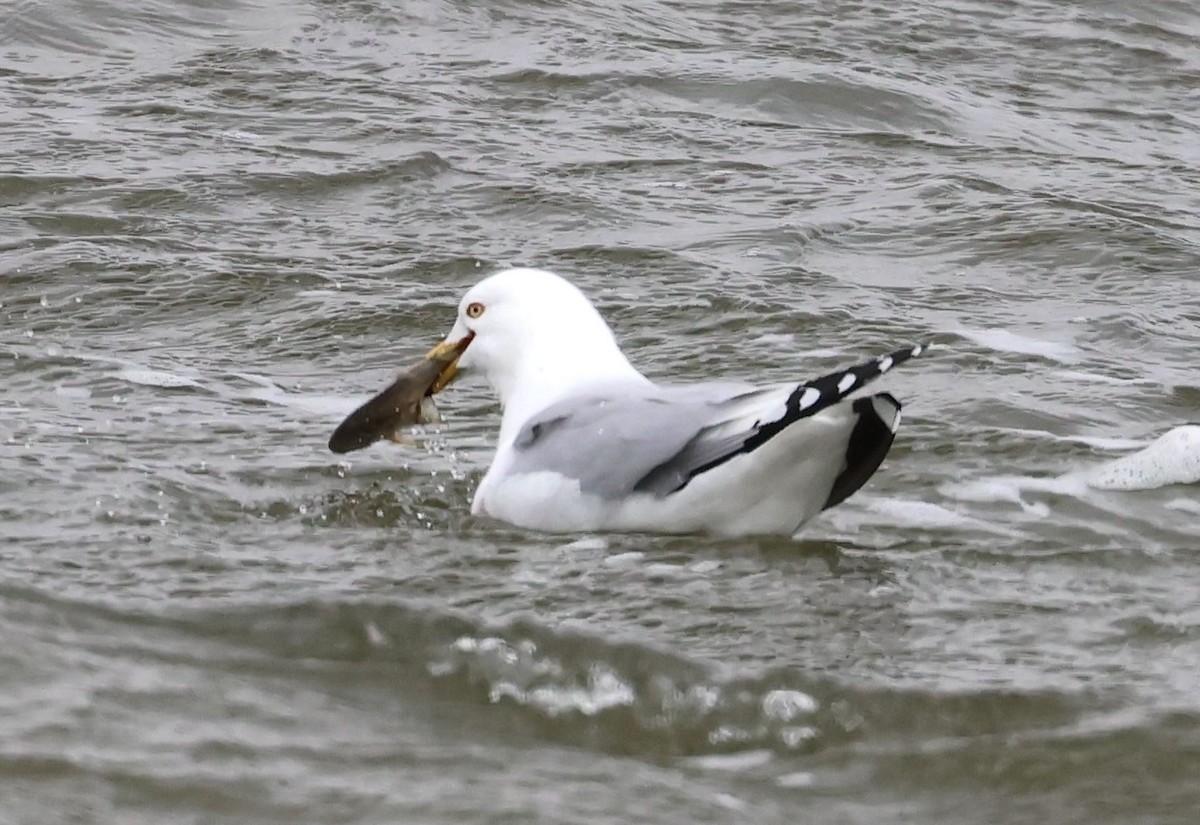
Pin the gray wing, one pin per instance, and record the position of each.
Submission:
(656, 441)
(608, 442)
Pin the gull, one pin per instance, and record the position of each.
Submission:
(587, 443)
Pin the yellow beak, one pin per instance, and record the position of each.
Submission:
(452, 350)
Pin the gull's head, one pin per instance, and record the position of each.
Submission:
(530, 332)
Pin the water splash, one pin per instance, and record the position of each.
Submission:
(1173, 458)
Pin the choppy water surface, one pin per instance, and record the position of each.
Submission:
(223, 224)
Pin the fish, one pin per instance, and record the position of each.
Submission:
(406, 402)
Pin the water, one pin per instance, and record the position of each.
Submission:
(224, 224)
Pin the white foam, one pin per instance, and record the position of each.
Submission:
(156, 378)
(783, 340)
(1009, 488)
(729, 802)
(257, 379)
(1003, 340)
(241, 136)
(334, 406)
(743, 760)
(604, 690)
(1185, 505)
(73, 393)
(800, 779)
(921, 514)
(1173, 458)
(1095, 378)
(820, 353)
(785, 705)
(630, 559)
(591, 543)
(1103, 443)
(319, 404)
(998, 488)
(1098, 441)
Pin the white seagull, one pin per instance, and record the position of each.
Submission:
(588, 443)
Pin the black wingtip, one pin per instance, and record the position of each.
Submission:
(813, 396)
(870, 441)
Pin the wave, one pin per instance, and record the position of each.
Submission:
(565, 686)
(1173, 458)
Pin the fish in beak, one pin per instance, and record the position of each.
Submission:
(407, 401)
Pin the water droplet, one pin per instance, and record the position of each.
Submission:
(375, 635)
(795, 736)
(786, 705)
(800, 779)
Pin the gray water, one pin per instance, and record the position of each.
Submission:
(223, 224)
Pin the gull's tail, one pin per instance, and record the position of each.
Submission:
(870, 440)
(878, 417)
(813, 396)
(867, 442)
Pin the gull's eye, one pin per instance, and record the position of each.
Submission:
(474, 310)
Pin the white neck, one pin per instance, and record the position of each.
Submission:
(552, 367)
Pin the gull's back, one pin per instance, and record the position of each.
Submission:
(727, 458)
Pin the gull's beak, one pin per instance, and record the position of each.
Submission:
(399, 405)
(448, 353)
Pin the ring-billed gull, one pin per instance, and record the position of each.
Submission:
(588, 443)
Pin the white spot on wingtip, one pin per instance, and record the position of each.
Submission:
(917, 350)
(888, 412)
(885, 363)
(848, 381)
(809, 397)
